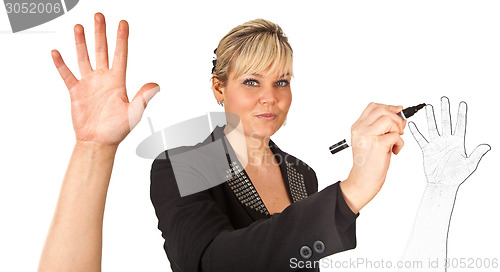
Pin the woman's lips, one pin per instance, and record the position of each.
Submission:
(266, 116)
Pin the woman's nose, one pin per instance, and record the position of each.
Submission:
(268, 96)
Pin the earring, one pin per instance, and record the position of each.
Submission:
(220, 103)
(284, 122)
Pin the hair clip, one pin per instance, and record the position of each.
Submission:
(214, 62)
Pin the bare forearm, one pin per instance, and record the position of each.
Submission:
(430, 230)
(74, 242)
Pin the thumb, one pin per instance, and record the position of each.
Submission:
(395, 109)
(145, 94)
(477, 154)
(139, 103)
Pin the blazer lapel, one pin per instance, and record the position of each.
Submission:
(294, 180)
(242, 187)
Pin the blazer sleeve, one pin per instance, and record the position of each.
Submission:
(199, 236)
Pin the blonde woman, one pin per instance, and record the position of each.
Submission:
(287, 225)
(264, 213)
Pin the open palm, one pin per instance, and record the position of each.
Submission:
(100, 108)
(445, 160)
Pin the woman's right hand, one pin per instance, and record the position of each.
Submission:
(100, 109)
(374, 137)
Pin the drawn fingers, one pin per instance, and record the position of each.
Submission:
(461, 120)
(422, 142)
(431, 122)
(476, 156)
(445, 116)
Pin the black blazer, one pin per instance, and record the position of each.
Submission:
(228, 228)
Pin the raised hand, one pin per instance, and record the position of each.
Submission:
(102, 117)
(100, 108)
(445, 160)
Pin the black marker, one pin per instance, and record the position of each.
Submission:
(404, 114)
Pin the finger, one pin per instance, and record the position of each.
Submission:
(431, 122)
(139, 103)
(121, 51)
(384, 111)
(476, 156)
(373, 106)
(392, 141)
(422, 142)
(66, 74)
(445, 116)
(398, 146)
(101, 44)
(461, 120)
(81, 51)
(383, 125)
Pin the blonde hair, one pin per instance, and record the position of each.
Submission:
(251, 48)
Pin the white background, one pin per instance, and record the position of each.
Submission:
(346, 54)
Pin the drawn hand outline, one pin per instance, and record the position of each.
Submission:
(444, 156)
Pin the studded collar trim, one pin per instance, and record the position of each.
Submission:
(241, 185)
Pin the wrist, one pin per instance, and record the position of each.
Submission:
(91, 165)
(94, 154)
(96, 147)
(350, 196)
(363, 183)
(442, 186)
(358, 192)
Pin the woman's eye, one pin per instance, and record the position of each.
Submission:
(282, 83)
(255, 83)
(251, 82)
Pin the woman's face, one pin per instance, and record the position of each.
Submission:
(261, 102)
